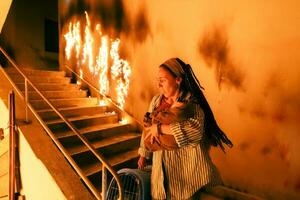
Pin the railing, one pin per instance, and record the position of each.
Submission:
(105, 164)
(12, 146)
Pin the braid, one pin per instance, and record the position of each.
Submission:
(213, 131)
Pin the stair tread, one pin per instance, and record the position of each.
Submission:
(95, 167)
(28, 70)
(58, 91)
(206, 196)
(80, 148)
(66, 99)
(229, 193)
(65, 84)
(77, 118)
(68, 108)
(89, 129)
(33, 76)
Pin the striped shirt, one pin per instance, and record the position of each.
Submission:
(186, 169)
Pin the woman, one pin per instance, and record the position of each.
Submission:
(184, 171)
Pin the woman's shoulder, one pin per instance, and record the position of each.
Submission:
(156, 98)
(154, 102)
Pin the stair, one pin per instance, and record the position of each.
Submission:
(118, 142)
(100, 125)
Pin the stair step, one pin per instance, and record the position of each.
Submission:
(206, 196)
(39, 79)
(82, 121)
(59, 103)
(99, 130)
(101, 143)
(96, 167)
(49, 114)
(27, 71)
(228, 193)
(49, 86)
(57, 94)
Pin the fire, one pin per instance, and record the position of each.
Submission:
(108, 52)
(102, 66)
(120, 71)
(102, 103)
(73, 39)
(81, 77)
(88, 45)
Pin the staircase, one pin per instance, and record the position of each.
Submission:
(117, 142)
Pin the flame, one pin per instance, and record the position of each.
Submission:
(120, 70)
(81, 77)
(88, 45)
(102, 103)
(125, 120)
(102, 65)
(108, 52)
(73, 39)
(114, 53)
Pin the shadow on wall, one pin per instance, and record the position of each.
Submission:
(9, 51)
(215, 50)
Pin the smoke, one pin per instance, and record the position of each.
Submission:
(141, 27)
(113, 17)
(215, 50)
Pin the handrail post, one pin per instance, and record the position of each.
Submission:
(104, 182)
(12, 140)
(26, 100)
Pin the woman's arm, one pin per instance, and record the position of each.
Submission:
(189, 131)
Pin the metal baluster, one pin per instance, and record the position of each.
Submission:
(104, 182)
(12, 140)
(26, 101)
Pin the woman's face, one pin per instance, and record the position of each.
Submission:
(168, 84)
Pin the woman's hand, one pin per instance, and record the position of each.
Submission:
(141, 162)
(153, 133)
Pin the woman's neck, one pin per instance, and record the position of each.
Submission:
(172, 99)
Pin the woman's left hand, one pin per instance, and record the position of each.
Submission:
(152, 132)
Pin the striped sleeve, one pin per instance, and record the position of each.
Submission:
(142, 151)
(189, 131)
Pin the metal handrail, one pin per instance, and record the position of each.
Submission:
(105, 164)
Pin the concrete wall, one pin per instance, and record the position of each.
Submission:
(245, 54)
(23, 33)
(37, 183)
(4, 7)
(4, 145)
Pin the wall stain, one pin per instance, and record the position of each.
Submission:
(244, 145)
(265, 150)
(141, 27)
(214, 47)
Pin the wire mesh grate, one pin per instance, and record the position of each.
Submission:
(136, 185)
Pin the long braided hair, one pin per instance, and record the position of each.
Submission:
(190, 84)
